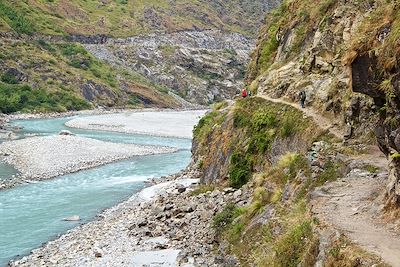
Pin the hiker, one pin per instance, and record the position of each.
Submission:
(244, 93)
(302, 97)
(250, 93)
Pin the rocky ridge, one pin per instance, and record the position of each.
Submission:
(200, 66)
(307, 55)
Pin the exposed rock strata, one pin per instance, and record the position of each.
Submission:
(201, 66)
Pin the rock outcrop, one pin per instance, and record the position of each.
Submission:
(305, 51)
(345, 56)
(200, 66)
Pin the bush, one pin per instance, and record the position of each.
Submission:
(260, 143)
(330, 173)
(15, 98)
(290, 249)
(71, 49)
(240, 169)
(262, 119)
(15, 19)
(45, 45)
(9, 78)
(289, 127)
(241, 118)
(225, 217)
(204, 125)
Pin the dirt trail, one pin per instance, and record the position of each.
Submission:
(352, 204)
(321, 121)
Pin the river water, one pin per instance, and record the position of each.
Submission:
(33, 214)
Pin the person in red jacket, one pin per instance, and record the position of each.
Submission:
(244, 93)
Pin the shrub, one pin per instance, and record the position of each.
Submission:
(15, 19)
(289, 250)
(241, 118)
(15, 98)
(330, 173)
(262, 119)
(71, 49)
(240, 169)
(260, 143)
(204, 125)
(9, 78)
(289, 127)
(45, 45)
(225, 217)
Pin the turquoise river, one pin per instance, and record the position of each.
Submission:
(32, 214)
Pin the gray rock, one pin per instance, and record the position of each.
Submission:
(65, 132)
(73, 218)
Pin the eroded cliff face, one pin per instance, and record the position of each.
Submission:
(345, 56)
(302, 47)
(374, 60)
(200, 66)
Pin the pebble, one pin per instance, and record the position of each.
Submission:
(185, 228)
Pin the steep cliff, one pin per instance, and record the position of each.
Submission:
(308, 198)
(200, 66)
(344, 55)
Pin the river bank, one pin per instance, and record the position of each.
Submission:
(165, 123)
(40, 158)
(164, 225)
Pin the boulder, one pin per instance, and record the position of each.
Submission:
(73, 218)
(65, 132)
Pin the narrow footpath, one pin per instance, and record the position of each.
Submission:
(352, 204)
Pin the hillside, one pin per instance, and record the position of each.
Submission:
(85, 54)
(345, 55)
(123, 18)
(316, 186)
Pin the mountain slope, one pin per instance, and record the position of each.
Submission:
(311, 197)
(345, 55)
(175, 55)
(124, 18)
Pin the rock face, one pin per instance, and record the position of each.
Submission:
(309, 56)
(345, 56)
(200, 66)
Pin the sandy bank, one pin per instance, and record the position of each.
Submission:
(157, 123)
(39, 158)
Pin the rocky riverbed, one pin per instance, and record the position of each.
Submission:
(167, 224)
(40, 158)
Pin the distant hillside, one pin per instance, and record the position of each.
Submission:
(58, 55)
(122, 18)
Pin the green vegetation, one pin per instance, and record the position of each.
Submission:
(262, 123)
(23, 98)
(386, 15)
(289, 250)
(240, 169)
(344, 253)
(300, 17)
(123, 18)
(276, 227)
(8, 78)
(202, 189)
(18, 21)
(206, 123)
(331, 173)
(225, 217)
